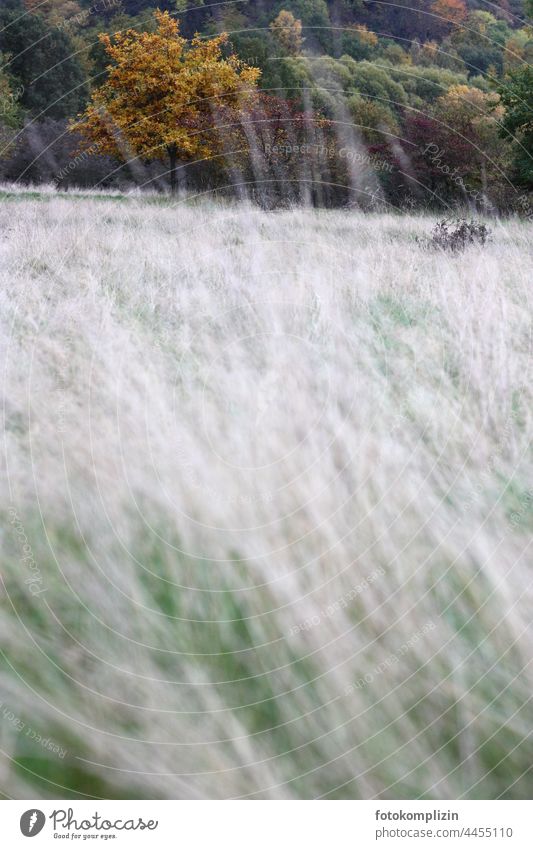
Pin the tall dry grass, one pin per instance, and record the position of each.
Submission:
(266, 505)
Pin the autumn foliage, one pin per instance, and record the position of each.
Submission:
(288, 31)
(164, 96)
(453, 11)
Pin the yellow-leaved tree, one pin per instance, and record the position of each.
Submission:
(288, 31)
(163, 95)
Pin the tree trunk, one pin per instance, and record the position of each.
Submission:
(173, 158)
(484, 186)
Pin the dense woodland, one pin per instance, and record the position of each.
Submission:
(414, 104)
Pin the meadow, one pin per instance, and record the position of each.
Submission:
(266, 516)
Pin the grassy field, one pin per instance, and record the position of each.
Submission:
(266, 505)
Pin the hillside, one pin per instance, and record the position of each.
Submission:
(432, 101)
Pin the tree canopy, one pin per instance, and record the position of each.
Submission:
(163, 95)
(42, 60)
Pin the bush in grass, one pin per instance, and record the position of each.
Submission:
(459, 234)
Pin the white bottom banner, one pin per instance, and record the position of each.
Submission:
(269, 825)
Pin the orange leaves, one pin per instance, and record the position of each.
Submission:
(164, 93)
(453, 11)
(366, 36)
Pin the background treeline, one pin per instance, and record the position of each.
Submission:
(412, 104)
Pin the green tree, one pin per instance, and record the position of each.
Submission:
(10, 94)
(50, 77)
(480, 42)
(10, 112)
(375, 83)
(424, 85)
(373, 120)
(357, 41)
(516, 94)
